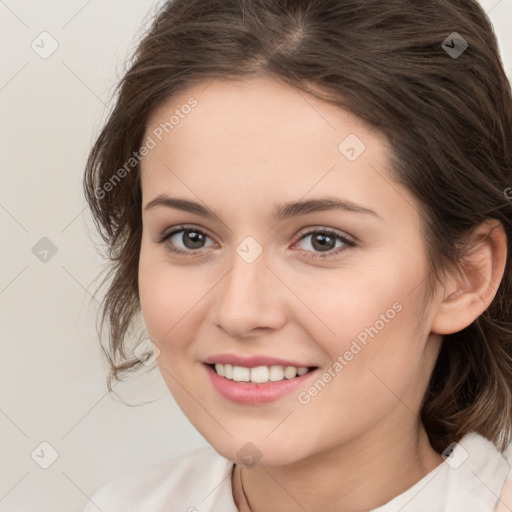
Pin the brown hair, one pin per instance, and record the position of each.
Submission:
(445, 108)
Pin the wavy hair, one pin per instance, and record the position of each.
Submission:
(427, 75)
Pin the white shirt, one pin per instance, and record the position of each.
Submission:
(472, 479)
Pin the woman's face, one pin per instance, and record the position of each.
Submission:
(272, 275)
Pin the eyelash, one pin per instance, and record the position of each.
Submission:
(191, 253)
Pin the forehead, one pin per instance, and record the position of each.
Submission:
(259, 107)
(259, 138)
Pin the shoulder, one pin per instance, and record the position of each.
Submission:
(478, 474)
(505, 499)
(183, 483)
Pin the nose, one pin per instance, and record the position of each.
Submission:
(250, 299)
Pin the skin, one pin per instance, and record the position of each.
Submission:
(245, 146)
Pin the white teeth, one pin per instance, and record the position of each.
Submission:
(290, 372)
(259, 374)
(228, 371)
(276, 373)
(241, 374)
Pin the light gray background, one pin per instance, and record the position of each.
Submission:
(51, 369)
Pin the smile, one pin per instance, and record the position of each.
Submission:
(259, 374)
(259, 384)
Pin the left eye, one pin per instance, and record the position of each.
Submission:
(324, 241)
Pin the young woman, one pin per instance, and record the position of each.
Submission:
(310, 203)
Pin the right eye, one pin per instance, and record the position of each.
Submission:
(191, 238)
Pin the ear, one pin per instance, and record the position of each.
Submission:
(468, 295)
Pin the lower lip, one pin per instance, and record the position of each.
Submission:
(254, 394)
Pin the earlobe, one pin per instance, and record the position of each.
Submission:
(469, 294)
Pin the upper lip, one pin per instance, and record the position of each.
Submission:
(252, 361)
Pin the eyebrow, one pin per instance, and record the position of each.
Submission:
(280, 212)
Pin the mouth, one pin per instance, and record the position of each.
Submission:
(256, 385)
(259, 374)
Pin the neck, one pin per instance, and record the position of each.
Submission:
(353, 478)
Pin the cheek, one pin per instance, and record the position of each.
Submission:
(381, 358)
(351, 303)
(170, 298)
(372, 318)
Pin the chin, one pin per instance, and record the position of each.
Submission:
(257, 453)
